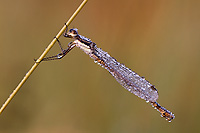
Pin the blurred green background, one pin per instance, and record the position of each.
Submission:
(158, 39)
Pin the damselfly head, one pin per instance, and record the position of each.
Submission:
(72, 33)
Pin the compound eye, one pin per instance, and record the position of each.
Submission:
(74, 32)
(71, 30)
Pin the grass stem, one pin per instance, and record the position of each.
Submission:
(41, 57)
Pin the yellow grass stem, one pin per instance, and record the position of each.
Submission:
(41, 57)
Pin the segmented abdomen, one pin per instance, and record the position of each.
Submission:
(126, 77)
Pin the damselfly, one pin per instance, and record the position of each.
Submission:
(125, 76)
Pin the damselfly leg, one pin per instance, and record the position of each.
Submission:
(59, 44)
(71, 45)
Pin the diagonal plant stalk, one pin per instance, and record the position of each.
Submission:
(41, 57)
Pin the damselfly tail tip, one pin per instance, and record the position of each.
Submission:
(169, 116)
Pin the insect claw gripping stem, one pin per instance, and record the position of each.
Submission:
(65, 33)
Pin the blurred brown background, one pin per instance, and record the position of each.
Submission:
(157, 39)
